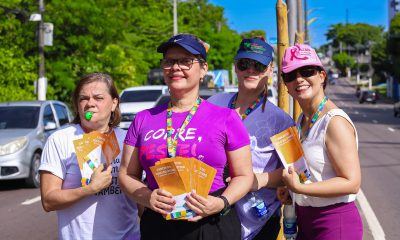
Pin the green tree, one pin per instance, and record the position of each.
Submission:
(254, 33)
(358, 38)
(343, 60)
(116, 37)
(393, 45)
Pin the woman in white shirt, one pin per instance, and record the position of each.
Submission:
(325, 207)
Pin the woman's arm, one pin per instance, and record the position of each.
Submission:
(130, 174)
(343, 155)
(55, 198)
(271, 179)
(241, 172)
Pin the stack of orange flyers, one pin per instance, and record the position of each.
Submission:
(180, 176)
(290, 151)
(94, 149)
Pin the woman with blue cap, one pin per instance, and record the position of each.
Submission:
(214, 135)
(259, 210)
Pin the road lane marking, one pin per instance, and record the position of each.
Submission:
(31, 201)
(356, 112)
(372, 221)
(374, 121)
(391, 129)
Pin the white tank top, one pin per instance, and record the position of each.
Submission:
(318, 161)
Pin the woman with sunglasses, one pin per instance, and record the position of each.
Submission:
(253, 65)
(325, 207)
(209, 133)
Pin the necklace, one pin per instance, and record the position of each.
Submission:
(243, 116)
(313, 120)
(173, 142)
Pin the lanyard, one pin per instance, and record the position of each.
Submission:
(313, 120)
(243, 116)
(172, 143)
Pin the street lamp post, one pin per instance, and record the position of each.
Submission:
(175, 17)
(41, 83)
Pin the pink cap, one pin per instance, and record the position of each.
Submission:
(298, 56)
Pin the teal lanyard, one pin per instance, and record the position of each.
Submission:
(172, 143)
(313, 120)
(246, 113)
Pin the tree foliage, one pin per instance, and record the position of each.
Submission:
(116, 37)
(352, 34)
(358, 38)
(393, 45)
(343, 60)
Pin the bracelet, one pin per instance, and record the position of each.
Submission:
(227, 206)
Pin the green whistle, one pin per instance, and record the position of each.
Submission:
(88, 115)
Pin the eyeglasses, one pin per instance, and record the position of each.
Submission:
(244, 63)
(304, 72)
(183, 63)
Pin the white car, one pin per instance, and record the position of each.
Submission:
(24, 128)
(136, 99)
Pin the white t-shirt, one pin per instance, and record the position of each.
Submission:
(108, 214)
(318, 161)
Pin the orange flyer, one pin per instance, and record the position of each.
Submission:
(290, 151)
(94, 149)
(205, 177)
(179, 176)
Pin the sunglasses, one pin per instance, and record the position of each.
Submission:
(304, 72)
(244, 63)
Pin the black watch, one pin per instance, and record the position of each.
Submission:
(227, 206)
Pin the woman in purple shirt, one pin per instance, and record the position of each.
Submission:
(209, 133)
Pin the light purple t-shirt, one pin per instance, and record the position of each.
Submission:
(261, 126)
(211, 132)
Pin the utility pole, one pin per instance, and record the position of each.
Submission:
(283, 43)
(292, 27)
(299, 39)
(306, 38)
(292, 20)
(300, 21)
(42, 82)
(175, 17)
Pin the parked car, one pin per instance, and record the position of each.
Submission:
(24, 129)
(396, 109)
(136, 99)
(333, 78)
(368, 96)
(204, 94)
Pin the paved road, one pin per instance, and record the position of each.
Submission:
(379, 151)
(22, 219)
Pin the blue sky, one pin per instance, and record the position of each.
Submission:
(246, 15)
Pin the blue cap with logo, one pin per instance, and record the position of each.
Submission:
(186, 41)
(256, 49)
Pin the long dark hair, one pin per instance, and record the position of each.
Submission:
(115, 118)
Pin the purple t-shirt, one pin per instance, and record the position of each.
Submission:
(211, 132)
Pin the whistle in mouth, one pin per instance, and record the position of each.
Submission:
(88, 115)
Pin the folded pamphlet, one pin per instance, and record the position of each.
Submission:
(290, 151)
(180, 176)
(94, 149)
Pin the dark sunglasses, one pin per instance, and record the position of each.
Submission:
(304, 72)
(244, 63)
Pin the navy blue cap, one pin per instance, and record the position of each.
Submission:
(186, 41)
(256, 49)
